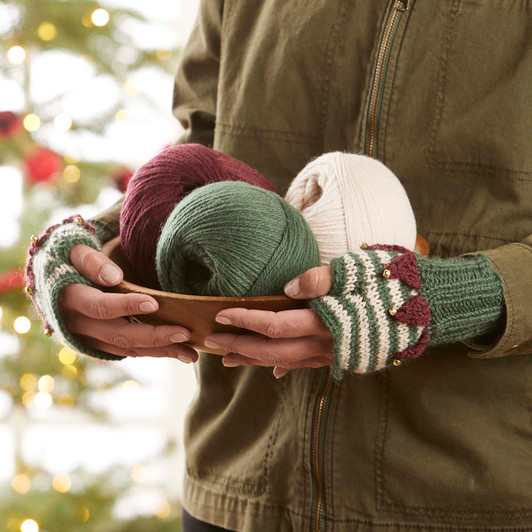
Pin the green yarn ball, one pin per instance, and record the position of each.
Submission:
(233, 239)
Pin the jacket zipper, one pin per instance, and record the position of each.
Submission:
(395, 12)
(319, 422)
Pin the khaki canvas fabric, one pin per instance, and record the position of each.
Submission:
(441, 443)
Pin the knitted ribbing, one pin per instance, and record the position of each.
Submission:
(465, 295)
(387, 304)
(348, 199)
(49, 269)
(159, 185)
(233, 239)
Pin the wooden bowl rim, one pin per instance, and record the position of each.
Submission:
(132, 287)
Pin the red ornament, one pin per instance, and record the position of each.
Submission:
(11, 280)
(10, 124)
(121, 177)
(42, 165)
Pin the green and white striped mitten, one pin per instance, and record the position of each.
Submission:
(49, 269)
(387, 304)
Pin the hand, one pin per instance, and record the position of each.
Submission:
(97, 316)
(291, 338)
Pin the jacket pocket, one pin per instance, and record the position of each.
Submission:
(482, 118)
(454, 441)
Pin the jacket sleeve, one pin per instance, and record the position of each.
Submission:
(513, 262)
(194, 100)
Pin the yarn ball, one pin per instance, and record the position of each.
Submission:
(348, 199)
(233, 239)
(156, 188)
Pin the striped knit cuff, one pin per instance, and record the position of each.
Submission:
(49, 269)
(375, 310)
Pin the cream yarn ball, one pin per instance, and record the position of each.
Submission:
(348, 199)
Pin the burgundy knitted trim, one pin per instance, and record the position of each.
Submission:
(417, 349)
(404, 267)
(414, 311)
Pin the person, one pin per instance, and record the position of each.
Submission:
(439, 92)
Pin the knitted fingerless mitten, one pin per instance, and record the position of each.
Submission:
(388, 304)
(49, 269)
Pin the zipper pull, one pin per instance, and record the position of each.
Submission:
(403, 5)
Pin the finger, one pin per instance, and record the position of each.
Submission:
(182, 352)
(272, 352)
(234, 359)
(284, 324)
(315, 282)
(94, 303)
(95, 266)
(279, 372)
(122, 333)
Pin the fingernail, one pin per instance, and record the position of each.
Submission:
(211, 344)
(278, 373)
(230, 363)
(110, 274)
(187, 359)
(178, 337)
(223, 320)
(147, 306)
(293, 288)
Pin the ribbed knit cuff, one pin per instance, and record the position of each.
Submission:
(49, 269)
(465, 296)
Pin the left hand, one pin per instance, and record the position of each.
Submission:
(291, 338)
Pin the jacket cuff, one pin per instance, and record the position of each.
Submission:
(107, 223)
(513, 263)
(49, 269)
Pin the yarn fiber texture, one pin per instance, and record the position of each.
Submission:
(159, 185)
(233, 239)
(348, 199)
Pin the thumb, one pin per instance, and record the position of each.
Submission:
(315, 282)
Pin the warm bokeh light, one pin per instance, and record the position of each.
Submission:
(69, 371)
(100, 17)
(28, 399)
(138, 473)
(130, 384)
(46, 383)
(121, 115)
(164, 55)
(85, 514)
(1, 312)
(71, 174)
(29, 525)
(21, 483)
(43, 400)
(28, 381)
(32, 122)
(62, 122)
(66, 355)
(163, 511)
(47, 31)
(22, 325)
(61, 483)
(16, 55)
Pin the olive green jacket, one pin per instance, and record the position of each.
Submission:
(441, 92)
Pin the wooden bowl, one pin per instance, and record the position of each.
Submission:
(197, 313)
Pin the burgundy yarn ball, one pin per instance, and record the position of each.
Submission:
(156, 188)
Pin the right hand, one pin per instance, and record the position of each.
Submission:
(98, 317)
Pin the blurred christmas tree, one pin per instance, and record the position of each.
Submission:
(36, 373)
